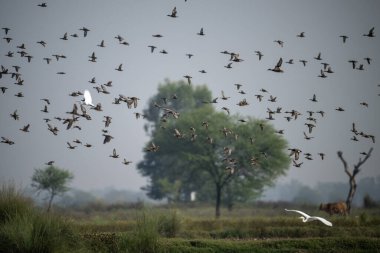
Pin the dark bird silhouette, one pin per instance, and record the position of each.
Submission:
(296, 152)
(6, 30)
(114, 155)
(303, 62)
(322, 75)
(279, 42)
(49, 163)
(201, 33)
(126, 162)
(119, 68)
(353, 62)
(14, 115)
(157, 36)
(370, 34)
(102, 44)
(92, 57)
(344, 38)
(307, 137)
(107, 138)
(152, 148)
(7, 141)
(42, 5)
(152, 48)
(310, 126)
(188, 79)
(277, 68)
(43, 43)
(52, 129)
(64, 37)
(85, 31)
(259, 54)
(301, 35)
(318, 57)
(224, 97)
(368, 60)
(189, 55)
(69, 146)
(3, 89)
(25, 128)
(295, 164)
(174, 13)
(229, 65)
(314, 98)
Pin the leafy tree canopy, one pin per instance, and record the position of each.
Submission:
(209, 152)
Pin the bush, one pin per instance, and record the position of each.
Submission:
(169, 225)
(144, 238)
(25, 229)
(368, 202)
(12, 202)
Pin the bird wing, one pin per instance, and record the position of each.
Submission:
(87, 98)
(324, 221)
(279, 63)
(302, 213)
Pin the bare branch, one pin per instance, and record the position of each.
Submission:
(340, 155)
(360, 163)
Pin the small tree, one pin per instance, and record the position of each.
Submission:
(53, 180)
(352, 175)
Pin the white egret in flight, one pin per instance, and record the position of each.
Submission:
(87, 98)
(306, 218)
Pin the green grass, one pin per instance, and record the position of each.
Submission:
(24, 228)
(166, 229)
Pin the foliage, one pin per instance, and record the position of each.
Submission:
(26, 229)
(51, 179)
(206, 151)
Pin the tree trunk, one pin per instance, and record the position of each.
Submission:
(218, 200)
(351, 193)
(50, 201)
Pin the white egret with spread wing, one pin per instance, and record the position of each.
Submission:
(306, 218)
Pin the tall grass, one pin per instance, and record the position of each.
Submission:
(23, 228)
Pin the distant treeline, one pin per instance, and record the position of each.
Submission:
(298, 192)
(293, 191)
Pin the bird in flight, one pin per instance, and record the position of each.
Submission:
(174, 13)
(277, 68)
(307, 218)
(201, 33)
(370, 34)
(87, 98)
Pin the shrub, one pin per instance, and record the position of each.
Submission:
(169, 225)
(25, 229)
(144, 238)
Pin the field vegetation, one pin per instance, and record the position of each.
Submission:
(136, 227)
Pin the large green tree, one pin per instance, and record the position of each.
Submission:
(52, 180)
(210, 152)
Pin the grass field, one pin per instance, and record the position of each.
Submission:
(264, 227)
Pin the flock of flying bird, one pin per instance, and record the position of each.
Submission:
(79, 111)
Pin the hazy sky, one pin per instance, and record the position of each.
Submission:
(236, 26)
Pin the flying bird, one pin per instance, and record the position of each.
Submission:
(370, 34)
(277, 68)
(201, 33)
(174, 13)
(307, 218)
(114, 155)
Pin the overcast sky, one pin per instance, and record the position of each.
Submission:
(236, 26)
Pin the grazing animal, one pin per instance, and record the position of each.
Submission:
(334, 208)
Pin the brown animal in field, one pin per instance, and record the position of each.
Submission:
(334, 208)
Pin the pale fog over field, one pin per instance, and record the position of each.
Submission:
(241, 27)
